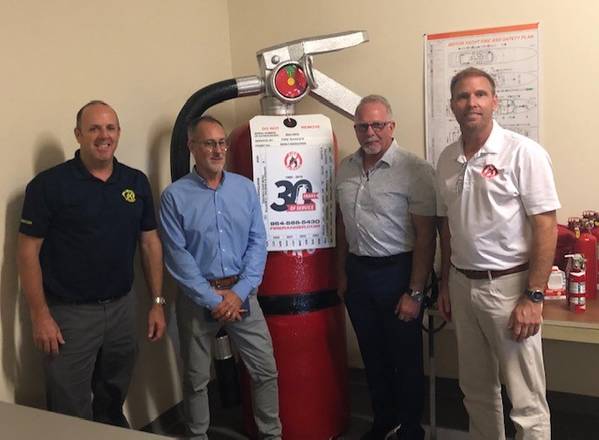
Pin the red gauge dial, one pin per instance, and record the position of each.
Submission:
(290, 81)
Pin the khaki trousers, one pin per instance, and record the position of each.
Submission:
(486, 352)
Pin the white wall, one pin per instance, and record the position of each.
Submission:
(144, 57)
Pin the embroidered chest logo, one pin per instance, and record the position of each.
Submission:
(489, 171)
(129, 195)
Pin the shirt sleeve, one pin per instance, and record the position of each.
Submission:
(535, 181)
(254, 258)
(179, 261)
(422, 200)
(148, 219)
(36, 214)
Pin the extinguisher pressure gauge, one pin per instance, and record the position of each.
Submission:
(289, 82)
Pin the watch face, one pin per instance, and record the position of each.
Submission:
(536, 295)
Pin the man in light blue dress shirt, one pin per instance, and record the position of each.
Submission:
(215, 247)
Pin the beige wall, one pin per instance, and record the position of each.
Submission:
(145, 57)
(392, 64)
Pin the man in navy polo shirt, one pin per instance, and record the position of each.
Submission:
(79, 231)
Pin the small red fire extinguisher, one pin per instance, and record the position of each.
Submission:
(576, 283)
(593, 217)
(586, 244)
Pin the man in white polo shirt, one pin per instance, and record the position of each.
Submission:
(497, 203)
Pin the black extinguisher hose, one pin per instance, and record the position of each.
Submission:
(195, 106)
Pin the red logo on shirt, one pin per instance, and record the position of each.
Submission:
(489, 171)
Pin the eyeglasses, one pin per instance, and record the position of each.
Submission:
(211, 144)
(377, 126)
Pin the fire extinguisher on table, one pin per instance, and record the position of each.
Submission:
(593, 218)
(577, 282)
(586, 244)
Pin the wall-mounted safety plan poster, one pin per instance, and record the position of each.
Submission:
(509, 54)
(293, 166)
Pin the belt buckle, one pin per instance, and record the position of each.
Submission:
(104, 301)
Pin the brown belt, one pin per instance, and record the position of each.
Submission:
(224, 283)
(481, 274)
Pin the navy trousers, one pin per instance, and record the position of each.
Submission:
(391, 349)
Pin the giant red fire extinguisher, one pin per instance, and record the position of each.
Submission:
(298, 292)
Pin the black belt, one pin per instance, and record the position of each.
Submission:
(381, 261)
(77, 302)
(482, 274)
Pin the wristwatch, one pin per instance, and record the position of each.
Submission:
(416, 295)
(159, 300)
(535, 295)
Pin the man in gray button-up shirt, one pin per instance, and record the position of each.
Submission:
(386, 248)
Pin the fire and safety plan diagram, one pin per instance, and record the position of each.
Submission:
(510, 54)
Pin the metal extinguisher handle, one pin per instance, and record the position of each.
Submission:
(299, 52)
(321, 87)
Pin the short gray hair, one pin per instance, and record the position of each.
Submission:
(194, 122)
(379, 99)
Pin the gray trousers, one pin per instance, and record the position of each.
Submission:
(90, 376)
(252, 339)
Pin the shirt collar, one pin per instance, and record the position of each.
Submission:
(81, 172)
(491, 146)
(389, 158)
(199, 179)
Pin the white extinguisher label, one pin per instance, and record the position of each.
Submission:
(293, 167)
(575, 287)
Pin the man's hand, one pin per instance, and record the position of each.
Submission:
(156, 322)
(526, 319)
(229, 309)
(46, 333)
(407, 308)
(443, 302)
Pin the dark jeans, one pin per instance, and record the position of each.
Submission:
(90, 376)
(391, 349)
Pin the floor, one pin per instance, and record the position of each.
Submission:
(574, 417)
